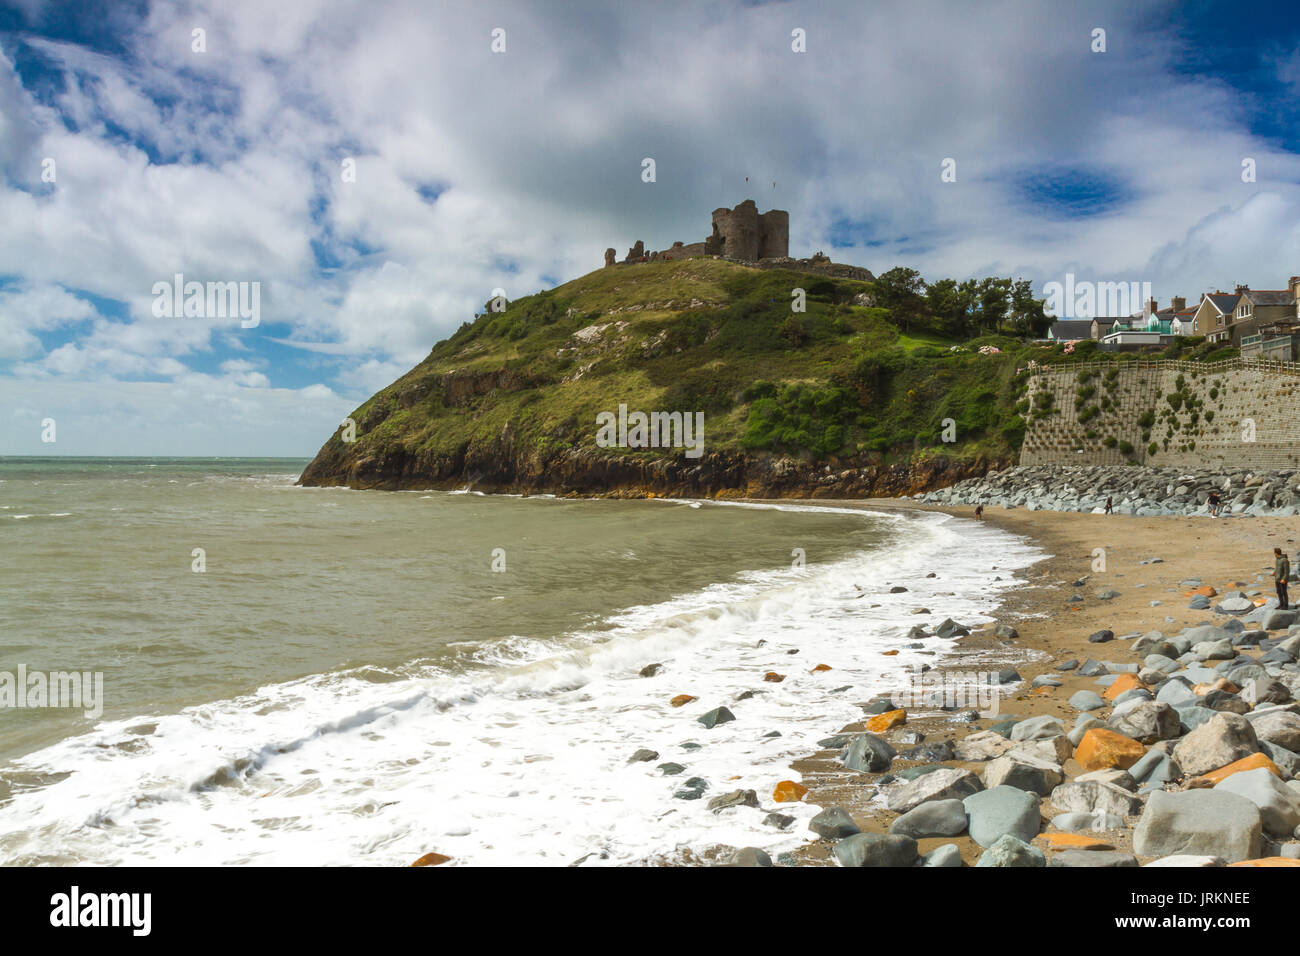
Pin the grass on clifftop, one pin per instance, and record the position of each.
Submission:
(838, 381)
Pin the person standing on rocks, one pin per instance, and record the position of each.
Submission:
(1214, 504)
(1281, 573)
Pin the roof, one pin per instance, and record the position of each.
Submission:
(1270, 296)
(1225, 302)
(1072, 329)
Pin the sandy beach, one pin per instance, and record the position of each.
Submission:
(1228, 554)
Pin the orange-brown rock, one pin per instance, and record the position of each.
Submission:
(1268, 861)
(1122, 683)
(1101, 749)
(819, 668)
(888, 653)
(1206, 590)
(682, 700)
(788, 791)
(772, 677)
(1253, 762)
(1074, 841)
(882, 722)
(1219, 683)
(431, 859)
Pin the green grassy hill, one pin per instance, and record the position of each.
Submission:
(509, 402)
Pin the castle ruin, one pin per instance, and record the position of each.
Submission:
(743, 235)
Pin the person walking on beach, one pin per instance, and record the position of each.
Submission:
(1281, 572)
(979, 512)
(1109, 504)
(1214, 504)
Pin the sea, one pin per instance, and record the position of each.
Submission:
(329, 677)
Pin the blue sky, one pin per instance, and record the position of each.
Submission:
(476, 170)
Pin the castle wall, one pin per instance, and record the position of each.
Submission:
(774, 234)
(738, 231)
(1204, 421)
(740, 234)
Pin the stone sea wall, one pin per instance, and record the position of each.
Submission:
(1222, 415)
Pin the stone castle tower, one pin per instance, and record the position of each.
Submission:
(743, 234)
(739, 233)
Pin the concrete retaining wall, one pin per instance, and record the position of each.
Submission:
(1226, 414)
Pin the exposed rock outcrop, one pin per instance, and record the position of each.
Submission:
(503, 466)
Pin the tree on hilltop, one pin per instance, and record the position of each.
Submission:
(902, 292)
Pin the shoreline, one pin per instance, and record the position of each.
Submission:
(1225, 553)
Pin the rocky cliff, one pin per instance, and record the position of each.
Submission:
(509, 468)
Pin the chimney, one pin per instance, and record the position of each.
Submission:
(1150, 307)
(1179, 303)
(1241, 288)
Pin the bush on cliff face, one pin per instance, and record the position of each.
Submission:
(1013, 432)
(797, 418)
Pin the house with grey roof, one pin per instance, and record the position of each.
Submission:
(1070, 330)
(1259, 309)
(1269, 322)
(1214, 315)
(1102, 324)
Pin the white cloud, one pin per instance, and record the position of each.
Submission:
(538, 152)
(198, 415)
(31, 309)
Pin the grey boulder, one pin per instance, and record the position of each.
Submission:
(868, 753)
(876, 849)
(1279, 805)
(1106, 859)
(933, 818)
(1008, 851)
(1001, 811)
(1277, 726)
(1037, 728)
(948, 783)
(833, 823)
(1218, 742)
(1147, 722)
(1095, 796)
(1078, 822)
(1023, 771)
(1199, 822)
(749, 856)
(947, 855)
(1086, 700)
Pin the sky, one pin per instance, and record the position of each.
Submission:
(376, 169)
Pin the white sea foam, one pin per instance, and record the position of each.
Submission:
(522, 757)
